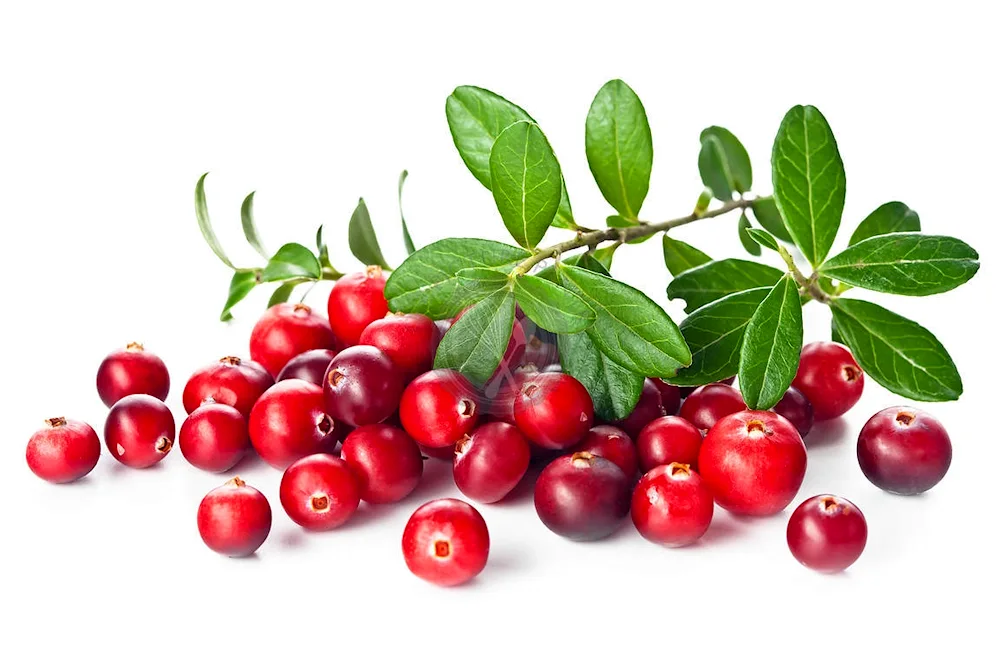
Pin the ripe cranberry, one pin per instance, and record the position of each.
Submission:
(830, 378)
(356, 301)
(319, 492)
(132, 370)
(707, 405)
(670, 396)
(410, 341)
(672, 505)
(500, 405)
(285, 331)
(446, 542)
(614, 444)
(669, 440)
(753, 462)
(289, 422)
(796, 408)
(438, 408)
(553, 410)
(139, 431)
(214, 437)
(442, 327)
(64, 451)
(646, 410)
(230, 381)
(490, 462)
(582, 496)
(827, 533)
(385, 461)
(540, 348)
(234, 519)
(904, 451)
(362, 386)
(309, 366)
(687, 391)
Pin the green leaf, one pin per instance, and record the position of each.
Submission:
(244, 280)
(746, 239)
(476, 343)
(590, 262)
(614, 390)
(888, 218)
(477, 283)
(407, 241)
(361, 237)
(905, 263)
(604, 256)
(898, 353)
(769, 354)
(763, 238)
(679, 256)
(324, 252)
(712, 281)
(564, 214)
(427, 282)
(552, 307)
(769, 217)
(620, 147)
(586, 260)
(631, 329)
(250, 227)
(526, 182)
(292, 260)
(283, 292)
(809, 181)
(723, 163)
(205, 224)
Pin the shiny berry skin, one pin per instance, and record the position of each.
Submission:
(500, 405)
(214, 437)
(438, 408)
(290, 422)
(827, 533)
(670, 396)
(386, 462)
(672, 505)
(234, 519)
(553, 410)
(830, 378)
(230, 381)
(309, 366)
(319, 492)
(613, 444)
(646, 410)
(796, 408)
(139, 431)
(669, 440)
(707, 405)
(410, 341)
(132, 370)
(287, 330)
(362, 386)
(446, 542)
(582, 497)
(491, 461)
(904, 451)
(356, 301)
(64, 451)
(753, 462)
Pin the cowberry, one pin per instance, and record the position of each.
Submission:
(132, 370)
(309, 366)
(670, 396)
(582, 497)
(553, 410)
(707, 405)
(289, 422)
(500, 405)
(214, 437)
(319, 492)
(438, 408)
(356, 301)
(409, 340)
(827, 533)
(830, 378)
(614, 444)
(230, 381)
(796, 408)
(668, 440)
(672, 505)
(904, 451)
(287, 330)
(234, 519)
(64, 451)
(385, 461)
(362, 386)
(446, 542)
(491, 461)
(648, 408)
(139, 431)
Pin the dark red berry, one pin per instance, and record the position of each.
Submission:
(500, 405)
(827, 533)
(582, 497)
(230, 381)
(309, 366)
(646, 410)
(287, 330)
(491, 461)
(707, 405)
(356, 301)
(214, 437)
(64, 451)
(290, 422)
(904, 451)
(132, 370)
(446, 542)
(234, 519)
(553, 410)
(540, 347)
(670, 396)
(362, 386)
(410, 341)
(385, 461)
(796, 408)
(668, 440)
(672, 505)
(830, 378)
(613, 444)
(442, 327)
(139, 431)
(438, 408)
(319, 492)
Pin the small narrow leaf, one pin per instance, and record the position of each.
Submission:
(746, 239)
(769, 217)
(244, 280)
(205, 223)
(292, 260)
(324, 252)
(763, 238)
(361, 237)
(590, 262)
(476, 343)
(724, 163)
(407, 241)
(614, 390)
(250, 227)
(769, 354)
(712, 281)
(679, 256)
(478, 283)
(283, 292)
(888, 218)
(552, 307)
(605, 256)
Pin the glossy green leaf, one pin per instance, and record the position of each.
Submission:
(586, 260)
(475, 344)
(769, 217)
(605, 255)
(680, 256)
(244, 280)
(736, 172)
(250, 227)
(749, 244)
(292, 260)
(772, 341)
(763, 238)
(590, 262)
(564, 214)
(478, 283)
(614, 390)
(362, 240)
(205, 223)
(407, 241)
(283, 292)
(324, 252)
(552, 307)
(710, 282)
(712, 167)
(888, 218)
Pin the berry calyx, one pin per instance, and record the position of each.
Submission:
(234, 519)
(385, 461)
(362, 386)
(132, 370)
(319, 492)
(582, 497)
(614, 444)
(553, 410)
(827, 533)
(668, 440)
(672, 505)
(438, 408)
(410, 340)
(490, 462)
(309, 366)
(139, 431)
(64, 451)
(904, 450)
(446, 542)
(356, 301)
(290, 422)
(230, 381)
(830, 378)
(214, 437)
(287, 330)
(708, 404)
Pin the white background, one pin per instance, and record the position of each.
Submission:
(110, 114)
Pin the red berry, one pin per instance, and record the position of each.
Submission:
(385, 461)
(490, 462)
(410, 341)
(553, 410)
(904, 451)
(64, 451)
(707, 405)
(670, 396)
(646, 410)
(438, 408)
(362, 386)
(139, 431)
(446, 542)
(132, 370)
(827, 533)
(234, 519)
(500, 405)
(214, 437)
(669, 440)
(540, 347)
(613, 444)
(287, 330)
(582, 496)
(319, 492)
(830, 378)
(796, 408)
(672, 505)
(230, 381)
(753, 462)
(356, 301)
(290, 422)
(687, 391)
(309, 366)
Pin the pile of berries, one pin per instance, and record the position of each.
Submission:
(350, 407)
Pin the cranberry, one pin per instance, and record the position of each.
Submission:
(362, 386)
(309, 366)
(446, 542)
(490, 462)
(646, 410)
(707, 405)
(139, 431)
(64, 451)
(410, 341)
(614, 444)
(319, 492)
(830, 378)
(285, 331)
(687, 391)
(670, 396)
(904, 451)
(214, 437)
(753, 462)
(669, 440)
(356, 301)
(385, 461)
(438, 408)
(234, 519)
(289, 422)
(132, 370)
(827, 533)
(540, 347)
(500, 406)
(231, 381)
(442, 327)
(553, 410)
(672, 505)
(796, 408)
(582, 496)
